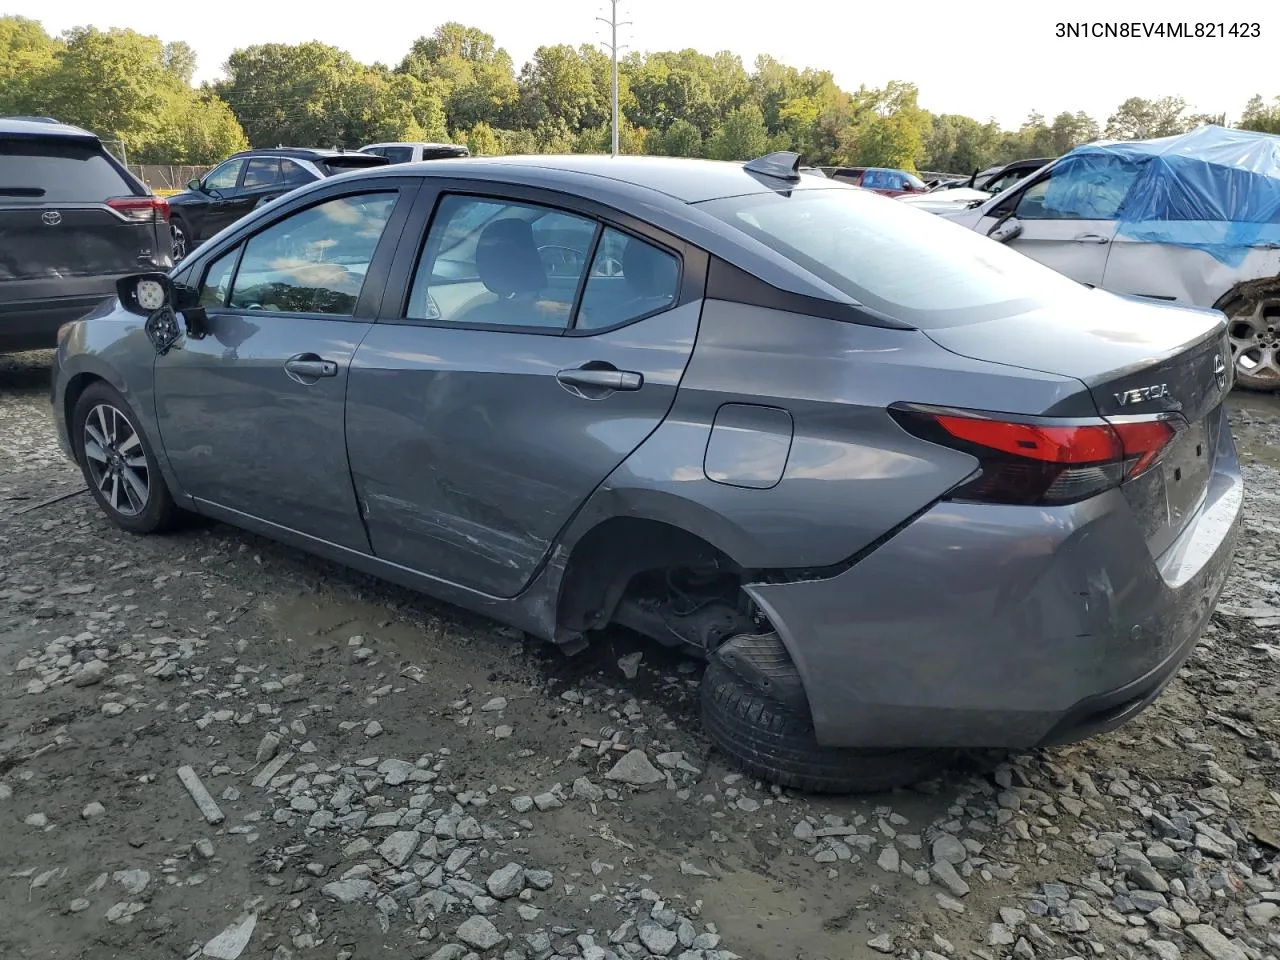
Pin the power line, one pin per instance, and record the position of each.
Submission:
(613, 25)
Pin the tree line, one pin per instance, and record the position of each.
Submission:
(458, 85)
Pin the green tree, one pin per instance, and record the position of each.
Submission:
(562, 84)
(28, 58)
(959, 144)
(195, 128)
(1070, 130)
(465, 67)
(665, 87)
(482, 141)
(289, 94)
(180, 61)
(681, 139)
(1140, 119)
(1260, 116)
(631, 139)
(742, 136)
(889, 127)
(113, 82)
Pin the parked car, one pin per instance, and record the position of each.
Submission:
(946, 201)
(245, 181)
(881, 180)
(997, 179)
(72, 221)
(763, 439)
(1187, 219)
(415, 152)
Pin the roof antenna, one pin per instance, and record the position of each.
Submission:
(781, 165)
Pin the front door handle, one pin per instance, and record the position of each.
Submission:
(606, 378)
(308, 368)
(1091, 238)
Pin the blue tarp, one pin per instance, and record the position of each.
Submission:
(1212, 189)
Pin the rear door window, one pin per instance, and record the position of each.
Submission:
(262, 172)
(505, 263)
(294, 174)
(53, 171)
(398, 154)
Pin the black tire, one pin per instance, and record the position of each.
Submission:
(111, 473)
(1254, 333)
(775, 742)
(178, 228)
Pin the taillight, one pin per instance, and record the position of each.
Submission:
(1040, 461)
(141, 209)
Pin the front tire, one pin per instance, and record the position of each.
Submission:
(1253, 323)
(181, 238)
(119, 464)
(772, 737)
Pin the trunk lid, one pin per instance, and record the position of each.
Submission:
(1137, 358)
(81, 241)
(54, 219)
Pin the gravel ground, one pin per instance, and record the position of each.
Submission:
(211, 745)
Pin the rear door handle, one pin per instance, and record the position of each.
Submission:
(1091, 238)
(309, 368)
(601, 379)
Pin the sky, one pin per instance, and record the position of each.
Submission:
(967, 58)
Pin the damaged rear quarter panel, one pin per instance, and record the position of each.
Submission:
(851, 472)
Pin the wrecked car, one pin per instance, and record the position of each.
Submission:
(746, 412)
(1191, 219)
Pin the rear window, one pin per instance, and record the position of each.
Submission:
(398, 154)
(58, 171)
(910, 264)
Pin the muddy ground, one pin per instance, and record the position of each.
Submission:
(395, 778)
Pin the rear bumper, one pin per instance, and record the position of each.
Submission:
(981, 626)
(33, 324)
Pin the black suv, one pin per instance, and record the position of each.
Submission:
(72, 220)
(245, 181)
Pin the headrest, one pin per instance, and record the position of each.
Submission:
(507, 259)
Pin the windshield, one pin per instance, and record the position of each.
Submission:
(910, 264)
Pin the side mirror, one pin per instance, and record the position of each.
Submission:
(1006, 231)
(195, 185)
(145, 293)
(150, 295)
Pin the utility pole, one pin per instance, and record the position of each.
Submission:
(613, 25)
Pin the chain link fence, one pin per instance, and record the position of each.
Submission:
(162, 176)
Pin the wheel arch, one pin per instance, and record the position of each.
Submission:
(78, 372)
(1251, 292)
(626, 532)
(606, 557)
(1259, 285)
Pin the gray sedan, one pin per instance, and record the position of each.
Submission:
(904, 489)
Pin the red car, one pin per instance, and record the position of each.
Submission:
(891, 183)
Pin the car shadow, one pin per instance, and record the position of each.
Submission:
(22, 373)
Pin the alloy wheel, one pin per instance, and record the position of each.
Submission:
(1254, 331)
(116, 460)
(179, 238)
